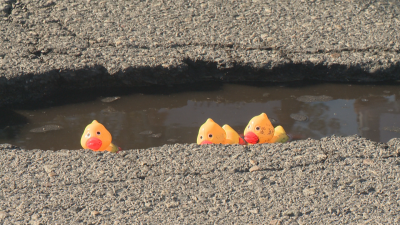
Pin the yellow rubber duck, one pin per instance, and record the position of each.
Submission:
(212, 133)
(260, 130)
(97, 138)
(280, 135)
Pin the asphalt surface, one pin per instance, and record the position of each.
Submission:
(59, 46)
(49, 46)
(347, 180)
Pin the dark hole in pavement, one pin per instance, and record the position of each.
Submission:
(153, 116)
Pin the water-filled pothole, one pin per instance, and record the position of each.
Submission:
(142, 120)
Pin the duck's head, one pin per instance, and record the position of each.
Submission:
(211, 133)
(96, 137)
(259, 130)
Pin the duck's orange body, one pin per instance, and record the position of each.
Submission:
(97, 138)
(212, 133)
(260, 130)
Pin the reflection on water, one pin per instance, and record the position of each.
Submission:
(147, 120)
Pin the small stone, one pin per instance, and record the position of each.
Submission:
(270, 39)
(47, 184)
(256, 40)
(35, 217)
(3, 214)
(275, 222)
(264, 36)
(48, 168)
(298, 157)
(118, 43)
(254, 168)
(254, 211)
(34, 222)
(368, 162)
(335, 55)
(322, 157)
(172, 204)
(253, 162)
(52, 174)
(339, 27)
(95, 213)
(308, 191)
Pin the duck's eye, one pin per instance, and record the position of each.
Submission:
(87, 135)
(98, 132)
(257, 128)
(201, 137)
(210, 135)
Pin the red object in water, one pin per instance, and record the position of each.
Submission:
(251, 138)
(94, 143)
(205, 142)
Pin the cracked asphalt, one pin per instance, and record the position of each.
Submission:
(47, 47)
(50, 46)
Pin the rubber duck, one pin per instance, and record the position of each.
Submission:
(97, 138)
(212, 133)
(232, 137)
(260, 130)
(280, 135)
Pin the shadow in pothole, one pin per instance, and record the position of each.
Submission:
(63, 83)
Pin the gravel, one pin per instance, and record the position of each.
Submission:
(57, 46)
(332, 180)
(47, 47)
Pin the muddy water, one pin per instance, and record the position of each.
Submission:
(146, 120)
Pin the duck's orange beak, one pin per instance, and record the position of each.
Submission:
(94, 143)
(251, 138)
(205, 142)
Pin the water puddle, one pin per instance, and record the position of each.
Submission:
(146, 120)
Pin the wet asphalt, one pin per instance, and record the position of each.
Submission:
(61, 46)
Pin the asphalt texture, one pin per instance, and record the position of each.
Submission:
(346, 180)
(59, 46)
(49, 46)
